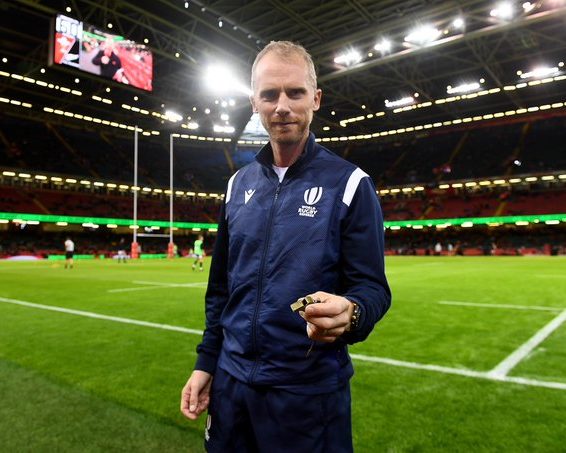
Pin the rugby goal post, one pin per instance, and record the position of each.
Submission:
(134, 252)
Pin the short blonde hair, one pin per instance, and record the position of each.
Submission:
(287, 50)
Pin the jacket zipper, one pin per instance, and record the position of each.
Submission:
(260, 285)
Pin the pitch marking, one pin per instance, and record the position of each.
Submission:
(515, 307)
(360, 357)
(157, 285)
(525, 349)
(89, 314)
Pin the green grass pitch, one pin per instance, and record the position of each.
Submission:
(71, 382)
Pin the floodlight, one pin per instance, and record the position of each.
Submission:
(422, 35)
(220, 79)
(348, 58)
(399, 102)
(458, 23)
(503, 11)
(224, 129)
(224, 117)
(463, 88)
(539, 72)
(383, 46)
(528, 7)
(192, 125)
(173, 116)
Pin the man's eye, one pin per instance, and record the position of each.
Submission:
(295, 94)
(269, 95)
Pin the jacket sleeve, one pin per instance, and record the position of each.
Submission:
(216, 298)
(362, 259)
(97, 60)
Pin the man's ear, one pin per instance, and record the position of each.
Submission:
(317, 98)
(252, 101)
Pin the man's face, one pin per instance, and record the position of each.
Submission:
(284, 98)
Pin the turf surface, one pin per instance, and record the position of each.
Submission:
(75, 383)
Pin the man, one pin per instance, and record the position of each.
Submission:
(299, 221)
(197, 251)
(110, 63)
(122, 255)
(69, 253)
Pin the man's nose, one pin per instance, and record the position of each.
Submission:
(283, 107)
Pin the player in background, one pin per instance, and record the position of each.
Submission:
(198, 252)
(69, 253)
(122, 255)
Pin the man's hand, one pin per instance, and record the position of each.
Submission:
(329, 319)
(196, 394)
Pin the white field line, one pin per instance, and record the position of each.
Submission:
(89, 314)
(157, 285)
(384, 360)
(501, 370)
(461, 372)
(515, 307)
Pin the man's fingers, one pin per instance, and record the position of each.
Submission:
(193, 400)
(330, 306)
(185, 396)
(324, 335)
(195, 396)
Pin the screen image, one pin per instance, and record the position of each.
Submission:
(90, 49)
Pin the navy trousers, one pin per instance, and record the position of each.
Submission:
(243, 418)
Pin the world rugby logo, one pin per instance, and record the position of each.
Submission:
(313, 195)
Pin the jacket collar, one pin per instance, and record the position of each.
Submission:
(265, 155)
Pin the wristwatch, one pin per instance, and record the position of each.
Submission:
(355, 319)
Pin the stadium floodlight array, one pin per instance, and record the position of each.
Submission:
(383, 46)
(101, 99)
(422, 35)
(57, 180)
(348, 58)
(540, 72)
(488, 116)
(112, 223)
(464, 87)
(461, 97)
(438, 124)
(221, 79)
(16, 102)
(400, 102)
(428, 34)
(467, 184)
(224, 129)
(41, 83)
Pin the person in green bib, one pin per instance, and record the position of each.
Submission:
(198, 252)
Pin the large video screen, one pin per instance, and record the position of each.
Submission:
(90, 49)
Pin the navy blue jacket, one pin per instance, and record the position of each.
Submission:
(321, 228)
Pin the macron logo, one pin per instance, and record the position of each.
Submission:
(248, 195)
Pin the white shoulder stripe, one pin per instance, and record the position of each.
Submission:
(229, 189)
(352, 185)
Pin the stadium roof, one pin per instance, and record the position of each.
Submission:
(488, 49)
